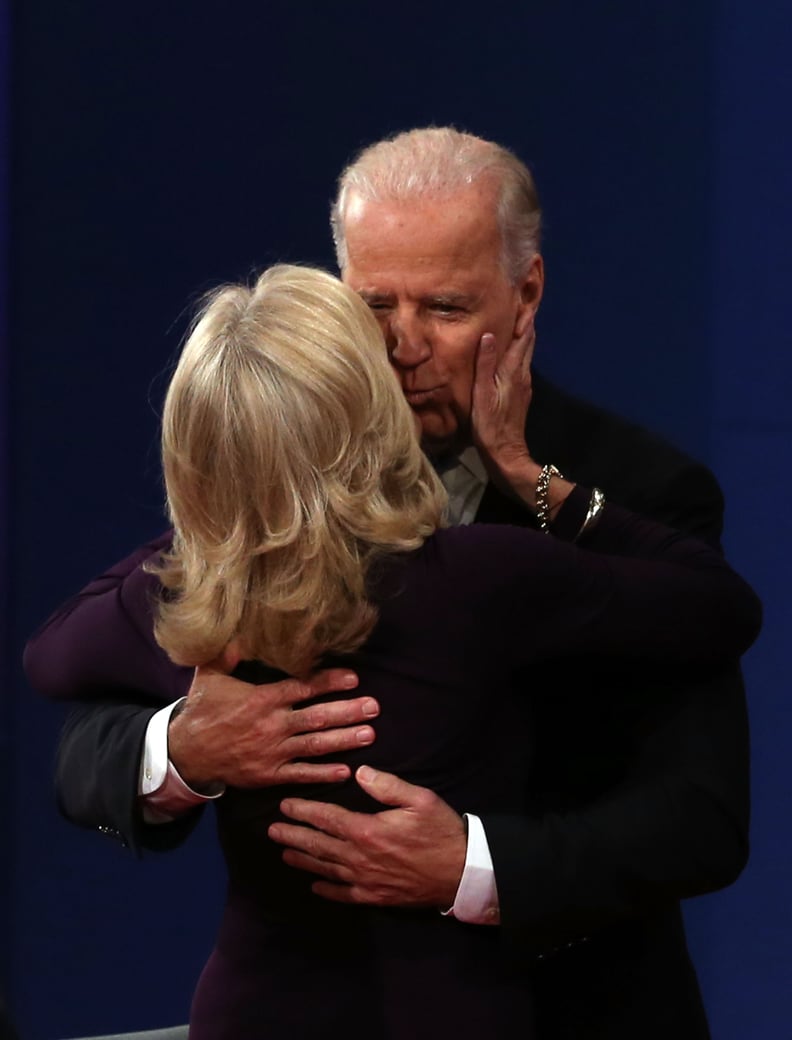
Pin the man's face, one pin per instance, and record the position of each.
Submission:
(431, 273)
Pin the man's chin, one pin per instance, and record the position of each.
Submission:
(440, 446)
(443, 432)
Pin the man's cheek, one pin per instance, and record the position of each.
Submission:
(461, 408)
(462, 390)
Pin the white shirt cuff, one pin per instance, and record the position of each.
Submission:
(476, 900)
(163, 793)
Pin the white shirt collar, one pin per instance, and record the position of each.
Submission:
(465, 480)
(471, 460)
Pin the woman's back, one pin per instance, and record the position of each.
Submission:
(288, 963)
(461, 622)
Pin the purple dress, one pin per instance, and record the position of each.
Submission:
(462, 621)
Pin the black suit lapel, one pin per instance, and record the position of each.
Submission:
(550, 429)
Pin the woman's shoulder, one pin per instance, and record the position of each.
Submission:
(493, 547)
(484, 538)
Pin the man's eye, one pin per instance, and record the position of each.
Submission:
(446, 308)
(377, 305)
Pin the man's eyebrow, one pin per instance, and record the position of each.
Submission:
(453, 299)
(372, 295)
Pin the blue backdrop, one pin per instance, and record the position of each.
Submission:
(157, 149)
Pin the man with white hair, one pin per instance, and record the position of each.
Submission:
(637, 801)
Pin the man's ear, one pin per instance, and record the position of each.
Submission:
(531, 287)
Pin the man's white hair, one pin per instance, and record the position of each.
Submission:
(437, 162)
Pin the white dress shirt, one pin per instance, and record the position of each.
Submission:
(165, 795)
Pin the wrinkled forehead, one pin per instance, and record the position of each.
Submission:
(449, 230)
(481, 196)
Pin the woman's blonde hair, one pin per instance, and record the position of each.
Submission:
(291, 462)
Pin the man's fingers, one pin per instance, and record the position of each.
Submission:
(390, 789)
(313, 773)
(332, 819)
(333, 714)
(313, 865)
(293, 691)
(306, 840)
(329, 742)
(329, 680)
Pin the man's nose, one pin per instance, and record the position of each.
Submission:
(408, 344)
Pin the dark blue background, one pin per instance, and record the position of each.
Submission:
(158, 148)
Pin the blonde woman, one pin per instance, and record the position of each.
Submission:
(308, 530)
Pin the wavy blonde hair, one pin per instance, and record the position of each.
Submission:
(291, 462)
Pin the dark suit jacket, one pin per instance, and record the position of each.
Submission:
(637, 802)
